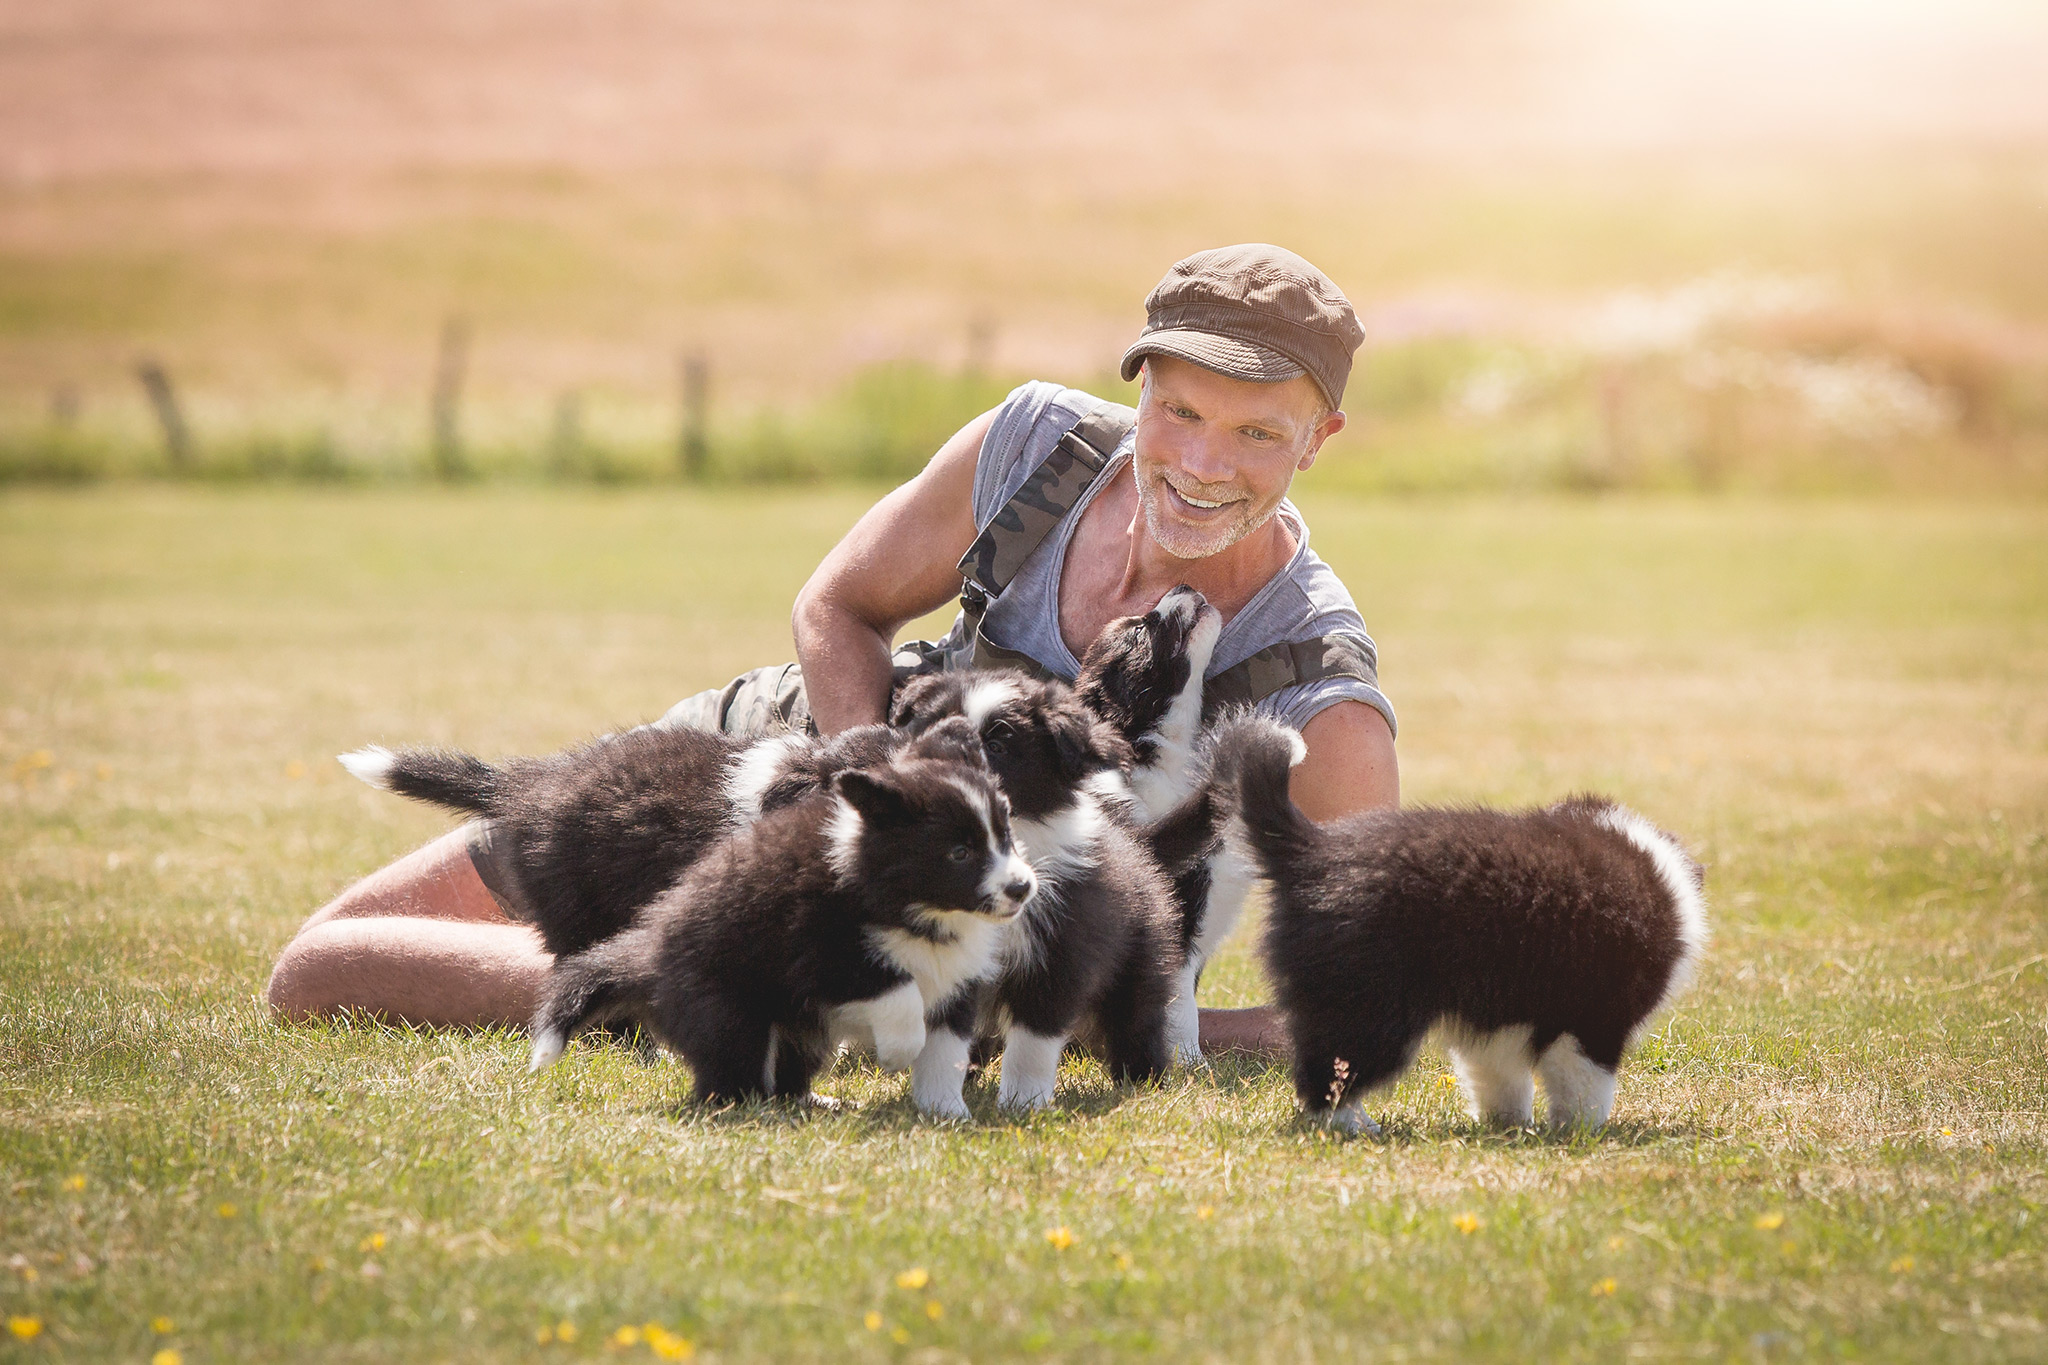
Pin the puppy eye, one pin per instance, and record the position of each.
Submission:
(961, 853)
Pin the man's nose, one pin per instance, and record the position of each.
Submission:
(1206, 458)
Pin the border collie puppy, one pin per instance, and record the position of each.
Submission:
(1098, 947)
(858, 910)
(1144, 675)
(597, 831)
(1542, 940)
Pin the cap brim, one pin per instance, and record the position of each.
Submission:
(1225, 355)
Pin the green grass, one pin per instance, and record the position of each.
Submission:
(1838, 703)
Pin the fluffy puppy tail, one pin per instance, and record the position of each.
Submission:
(444, 777)
(607, 981)
(1252, 759)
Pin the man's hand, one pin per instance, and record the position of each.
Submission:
(898, 562)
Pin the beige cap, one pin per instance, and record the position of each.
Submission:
(1253, 312)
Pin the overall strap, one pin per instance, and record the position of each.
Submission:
(1287, 664)
(1021, 525)
(1047, 495)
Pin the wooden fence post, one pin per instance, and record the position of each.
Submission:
(164, 400)
(696, 443)
(565, 442)
(448, 369)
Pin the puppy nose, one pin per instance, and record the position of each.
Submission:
(1020, 888)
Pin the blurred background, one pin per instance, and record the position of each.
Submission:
(1791, 245)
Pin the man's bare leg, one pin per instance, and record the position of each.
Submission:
(1259, 1029)
(422, 940)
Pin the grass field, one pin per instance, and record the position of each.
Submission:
(1833, 1148)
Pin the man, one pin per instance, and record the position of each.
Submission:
(1065, 516)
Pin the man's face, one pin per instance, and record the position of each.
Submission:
(1215, 455)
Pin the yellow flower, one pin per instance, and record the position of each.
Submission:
(626, 1336)
(1602, 1288)
(1205, 1213)
(917, 1277)
(873, 1321)
(74, 1183)
(565, 1331)
(1468, 1223)
(1948, 1132)
(167, 1356)
(1448, 1080)
(1902, 1265)
(1770, 1222)
(1616, 1242)
(28, 1329)
(224, 1210)
(374, 1242)
(899, 1335)
(1123, 1260)
(543, 1334)
(1061, 1237)
(934, 1310)
(669, 1346)
(162, 1325)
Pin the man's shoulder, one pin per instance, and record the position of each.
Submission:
(1028, 426)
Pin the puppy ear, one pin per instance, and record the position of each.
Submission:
(1082, 743)
(953, 739)
(874, 794)
(913, 699)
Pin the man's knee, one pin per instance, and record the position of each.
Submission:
(428, 971)
(302, 984)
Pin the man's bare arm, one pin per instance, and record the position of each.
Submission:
(1350, 765)
(897, 563)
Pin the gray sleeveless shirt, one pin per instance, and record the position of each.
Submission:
(1304, 601)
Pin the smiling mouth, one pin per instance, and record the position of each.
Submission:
(1199, 504)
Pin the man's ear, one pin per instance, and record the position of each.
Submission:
(1331, 425)
(874, 794)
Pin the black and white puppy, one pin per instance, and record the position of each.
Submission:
(1099, 945)
(1541, 940)
(598, 831)
(857, 911)
(1144, 675)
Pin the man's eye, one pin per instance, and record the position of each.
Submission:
(960, 854)
(1257, 435)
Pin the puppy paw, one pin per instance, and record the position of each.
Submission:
(945, 1108)
(1351, 1121)
(547, 1050)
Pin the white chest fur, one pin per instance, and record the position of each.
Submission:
(963, 948)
